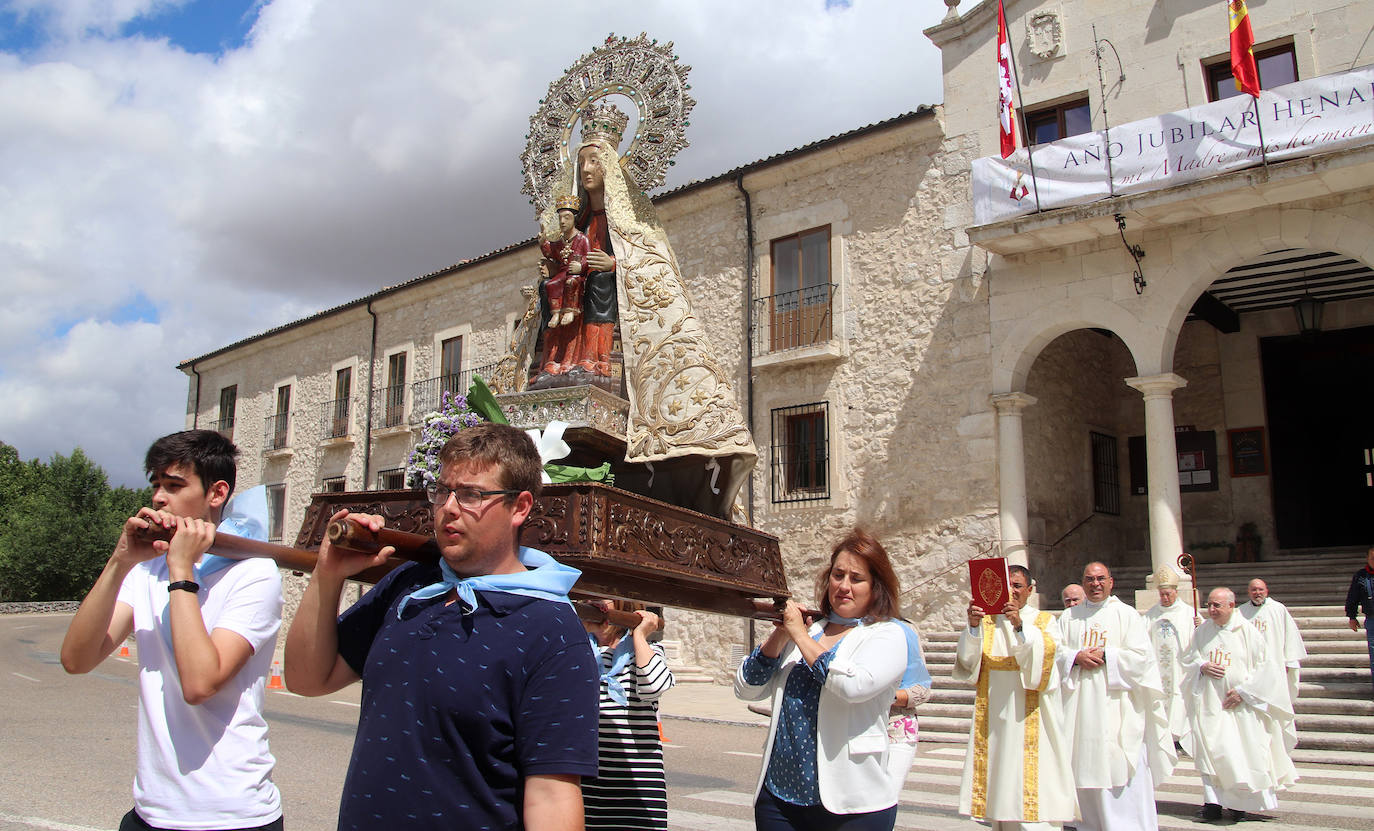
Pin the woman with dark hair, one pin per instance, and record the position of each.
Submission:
(824, 764)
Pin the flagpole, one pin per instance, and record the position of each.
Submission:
(1264, 151)
(1016, 82)
(1244, 69)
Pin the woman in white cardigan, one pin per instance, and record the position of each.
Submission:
(825, 761)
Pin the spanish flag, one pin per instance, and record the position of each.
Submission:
(1243, 67)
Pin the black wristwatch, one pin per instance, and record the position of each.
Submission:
(185, 585)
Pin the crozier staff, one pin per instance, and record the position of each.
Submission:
(831, 686)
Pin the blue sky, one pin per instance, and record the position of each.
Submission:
(207, 27)
(182, 175)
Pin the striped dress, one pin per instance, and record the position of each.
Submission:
(629, 791)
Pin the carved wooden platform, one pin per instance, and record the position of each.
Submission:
(626, 545)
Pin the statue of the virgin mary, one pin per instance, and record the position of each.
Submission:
(683, 415)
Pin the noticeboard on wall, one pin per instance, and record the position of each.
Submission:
(1196, 457)
(1246, 446)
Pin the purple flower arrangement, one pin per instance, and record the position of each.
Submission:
(422, 468)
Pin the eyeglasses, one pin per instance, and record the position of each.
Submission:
(467, 496)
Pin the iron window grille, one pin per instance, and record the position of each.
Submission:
(1106, 475)
(391, 479)
(800, 453)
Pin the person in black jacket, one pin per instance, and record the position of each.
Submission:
(1361, 596)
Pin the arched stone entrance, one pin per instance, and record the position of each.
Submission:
(1295, 406)
(1046, 351)
(1078, 509)
(1197, 369)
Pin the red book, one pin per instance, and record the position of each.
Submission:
(989, 582)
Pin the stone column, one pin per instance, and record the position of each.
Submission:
(1012, 513)
(1161, 464)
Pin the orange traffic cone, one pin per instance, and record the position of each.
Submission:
(274, 681)
(124, 649)
(662, 737)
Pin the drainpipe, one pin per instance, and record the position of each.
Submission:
(748, 350)
(371, 388)
(748, 326)
(195, 408)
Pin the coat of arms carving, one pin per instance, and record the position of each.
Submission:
(1045, 35)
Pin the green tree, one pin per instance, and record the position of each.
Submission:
(62, 522)
(16, 477)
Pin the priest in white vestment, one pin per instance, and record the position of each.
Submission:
(1240, 727)
(1280, 633)
(1171, 623)
(1114, 717)
(1016, 771)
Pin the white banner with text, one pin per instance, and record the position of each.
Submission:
(1321, 115)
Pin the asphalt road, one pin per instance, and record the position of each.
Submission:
(67, 744)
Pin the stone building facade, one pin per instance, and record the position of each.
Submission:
(1076, 350)
(958, 389)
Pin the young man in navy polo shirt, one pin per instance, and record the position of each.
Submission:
(479, 705)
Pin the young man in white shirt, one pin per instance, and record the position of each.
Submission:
(206, 629)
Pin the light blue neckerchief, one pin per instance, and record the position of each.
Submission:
(844, 621)
(546, 579)
(916, 672)
(620, 658)
(244, 516)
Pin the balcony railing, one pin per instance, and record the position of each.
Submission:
(336, 418)
(277, 429)
(389, 406)
(426, 396)
(793, 319)
(225, 427)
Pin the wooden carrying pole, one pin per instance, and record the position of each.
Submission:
(355, 538)
(349, 534)
(592, 613)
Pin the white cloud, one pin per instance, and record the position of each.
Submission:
(345, 146)
(91, 389)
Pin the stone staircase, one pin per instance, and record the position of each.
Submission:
(683, 673)
(1335, 717)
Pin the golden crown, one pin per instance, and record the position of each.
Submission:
(567, 202)
(604, 121)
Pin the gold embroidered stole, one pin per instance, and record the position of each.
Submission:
(1030, 789)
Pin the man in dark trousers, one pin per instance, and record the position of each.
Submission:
(480, 691)
(1361, 597)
